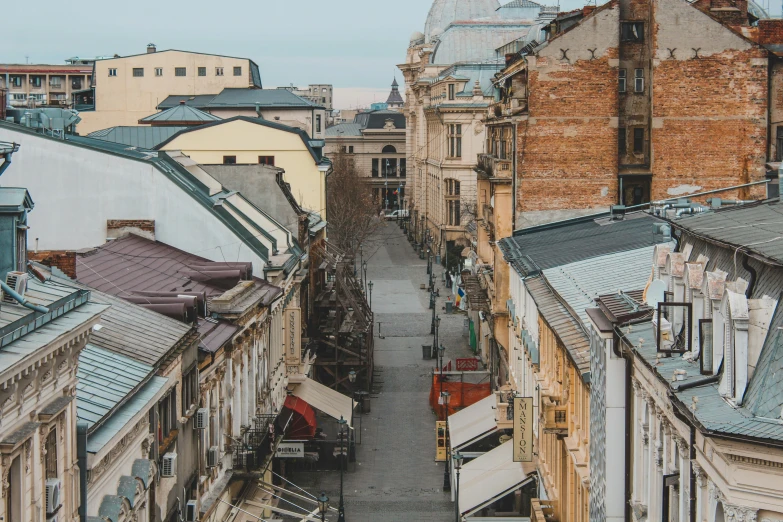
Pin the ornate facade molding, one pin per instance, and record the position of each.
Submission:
(106, 462)
(740, 459)
(736, 513)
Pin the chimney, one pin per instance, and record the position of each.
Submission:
(65, 261)
(151, 48)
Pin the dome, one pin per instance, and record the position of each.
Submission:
(477, 41)
(417, 38)
(443, 12)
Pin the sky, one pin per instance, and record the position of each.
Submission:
(354, 45)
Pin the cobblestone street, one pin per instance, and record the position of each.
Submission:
(395, 477)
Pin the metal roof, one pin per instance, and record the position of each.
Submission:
(180, 113)
(104, 380)
(144, 137)
(15, 200)
(214, 334)
(476, 41)
(757, 228)
(539, 248)
(344, 129)
(444, 12)
(199, 101)
(266, 98)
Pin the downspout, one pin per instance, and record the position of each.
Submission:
(753, 276)
(693, 475)
(21, 300)
(6, 164)
(514, 181)
(628, 420)
(81, 455)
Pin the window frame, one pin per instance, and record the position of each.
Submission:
(454, 140)
(201, 71)
(622, 141)
(51, 468)
(158, 72)
(627, 30)
(219, 71)
(452, 91)
(178, 70)
(638, 137)
(638, 81)
(622, 81)
(317, 123)
(229, 160)
(237, 70)
(266, 160)
(138, 72)
(112, 73)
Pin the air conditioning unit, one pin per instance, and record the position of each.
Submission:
(212, 457)
(18, 283)
(202, 418)
(191, 511)
(169, 466)
(52, 495)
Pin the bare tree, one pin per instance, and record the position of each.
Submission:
(352, 214)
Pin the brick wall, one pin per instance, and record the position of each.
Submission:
(709, 122)
(64, 260)
(568, 147)
(770, 31)
(116, 228)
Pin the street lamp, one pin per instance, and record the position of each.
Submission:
(323, 505)
(370, 285)
(457, 466)
(445, 398)
(364, 267)
(341, 508)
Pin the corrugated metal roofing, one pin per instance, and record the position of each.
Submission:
(476, 41)
(144, 137)
(344, 129)
(558, 244)
(180, 113)
(214, 334)
(249, 98)
(104, 380)
(125, 414)
(757, 228)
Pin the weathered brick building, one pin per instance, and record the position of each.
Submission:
(640, 100)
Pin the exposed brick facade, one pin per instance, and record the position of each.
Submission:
(65, 260)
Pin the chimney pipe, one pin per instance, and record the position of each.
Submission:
(151, 48)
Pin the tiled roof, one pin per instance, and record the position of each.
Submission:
(538, 248)
(758, 228)
(142, 136)
(266, 98)
(180, 113)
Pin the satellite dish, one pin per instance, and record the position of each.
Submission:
(655, 293)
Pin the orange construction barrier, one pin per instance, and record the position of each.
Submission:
(463, 394)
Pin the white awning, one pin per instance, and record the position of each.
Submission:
(325, 399)
(473, 423)
(491, 477)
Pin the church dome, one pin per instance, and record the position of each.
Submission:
(444, 12)
(417, 38)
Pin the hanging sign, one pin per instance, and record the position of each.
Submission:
(292, 336)
(523, 429)
(290, 450)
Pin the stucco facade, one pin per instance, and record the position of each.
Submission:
(129, 88)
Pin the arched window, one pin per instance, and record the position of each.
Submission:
(389, 149)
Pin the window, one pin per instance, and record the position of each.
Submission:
(389, 149)
(112, 72)
(18, 96)
(51, 454)
(403, 162)
(390, 167)
(167, 416)
(451, 91)
(779, 144)
(267, 160)
(638, 80)
(35, 81)
(237, 71)
(638, 140)
(180, 71)
(323, 100)
(56, 82)
(622, 80)
(350, 149)
(318, 123)
(190, 395)
(453, 206)
(622, 144)
(375, 167)
(202, 71)
(38, 97)
(455, 140)
(16, 81)
(76, 83)
(158, 71)
(323, 89)
(218, 71)
(632, 32)
(229, 160)
(13, 494)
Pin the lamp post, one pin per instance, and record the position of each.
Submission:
(364, 284)
(341, 507)
(457, 466)
(441, 352)
(370, 285)
(361, 265)
(445, 399)
(436, 344)
(323, 505)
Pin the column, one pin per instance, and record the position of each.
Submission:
(685, 478)
(735, 513)
(701, 483)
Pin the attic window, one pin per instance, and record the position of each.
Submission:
(632, 32)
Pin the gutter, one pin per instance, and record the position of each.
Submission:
(21, 300)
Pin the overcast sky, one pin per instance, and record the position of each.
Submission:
(352, 44)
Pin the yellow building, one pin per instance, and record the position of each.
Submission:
(129, 88)
(248, 141)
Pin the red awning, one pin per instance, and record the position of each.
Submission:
(302, 422)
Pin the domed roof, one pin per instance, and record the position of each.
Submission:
(417, 38)
(443, 12)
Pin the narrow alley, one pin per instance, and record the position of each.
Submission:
(395, 477)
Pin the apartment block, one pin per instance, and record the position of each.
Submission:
(43, 85)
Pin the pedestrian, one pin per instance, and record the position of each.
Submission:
(448, 279)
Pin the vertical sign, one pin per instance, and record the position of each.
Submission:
(441, 438)
(292, 330)
(523, 429)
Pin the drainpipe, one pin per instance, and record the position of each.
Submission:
(628, 420)
(258, 111)
(693, 475)
(753, 275)
(514, 181)
(21, 300)
(81, 455)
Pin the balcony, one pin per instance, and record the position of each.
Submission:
(490, 166)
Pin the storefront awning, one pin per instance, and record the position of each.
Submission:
(490, 477)
(473, 423)
(297, 419)
(327, 400)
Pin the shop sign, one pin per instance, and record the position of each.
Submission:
(523, 429)
(290, 450)
(292, 336)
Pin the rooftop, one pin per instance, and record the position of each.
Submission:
(144, 137)
(199, 101)
(181, 114)
(265, 98)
